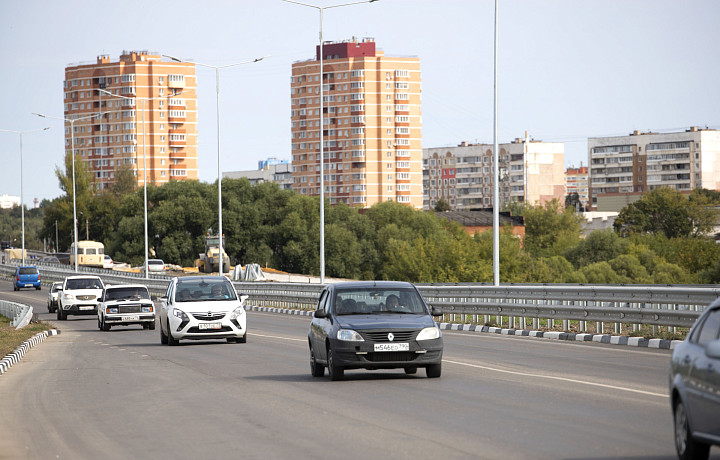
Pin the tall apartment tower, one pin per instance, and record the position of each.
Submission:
(577, 181)
(622, 168)
(150, 114)
(530, 172)
(372, 125)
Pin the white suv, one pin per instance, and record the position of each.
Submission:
(126, 304)
(80, 296)
(200, 308)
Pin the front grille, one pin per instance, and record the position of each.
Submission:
(388, 356)
(86, 297)
(209, 316)
(129, 308)
(382, 336)
(196, 330)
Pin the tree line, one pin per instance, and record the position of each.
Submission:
(664, 238)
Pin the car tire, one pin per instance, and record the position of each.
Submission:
(335, 372)
(433, 371)
(411, 370)
(172, 341)
(151, 326)
(163, 337)
(99, 324)
(38, 288)
(15, 288)
(105, 327)
(61, 315)
(687, 448)
(242, 339)
(316, 370)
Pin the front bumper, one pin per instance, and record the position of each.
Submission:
(80, 309)
(127, 319)
(361, 355)
(191, 330)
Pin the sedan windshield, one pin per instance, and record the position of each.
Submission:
(89, 283)
(366, 301)
(204, 290)
(128, 293)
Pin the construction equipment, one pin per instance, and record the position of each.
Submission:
(209, 261)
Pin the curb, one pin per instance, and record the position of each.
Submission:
(640, 342)
(663, 344)
(12, 358)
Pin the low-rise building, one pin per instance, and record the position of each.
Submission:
(281, 173)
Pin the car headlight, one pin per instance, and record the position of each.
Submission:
(349, 335)
(180, 314)
(68, 297)
(111, 309)
(239, 311)
(429, 333)
(147, 309)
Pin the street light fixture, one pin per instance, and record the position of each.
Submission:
(72, 146)
(321, 10)
(22, 204)
(143, 100)
(217, 105)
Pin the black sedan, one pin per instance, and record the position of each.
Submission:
(695, 387)
(374, 325)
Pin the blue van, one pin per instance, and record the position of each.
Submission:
(27, 277)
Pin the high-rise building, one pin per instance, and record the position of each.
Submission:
(577, 181)
(530, 172)
(151, 113)
(372, 125)
(622, 168)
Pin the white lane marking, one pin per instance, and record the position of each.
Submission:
(524, 374)
(562, 379)
(277, 337)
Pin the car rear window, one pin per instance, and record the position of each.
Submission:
(28, 271)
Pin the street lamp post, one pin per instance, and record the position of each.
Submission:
(217, 105)
(22, 204)
(72, 155)
(321, 10)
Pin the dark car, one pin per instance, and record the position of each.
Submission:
(374, 325)
(695, 387)
(27, 277)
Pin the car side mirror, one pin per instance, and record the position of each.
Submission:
(436, 311)
(243, 298)
(713, 349)
(320, 314)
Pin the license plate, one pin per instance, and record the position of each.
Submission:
(131, 318)
(28, 285)
(202, 326)
(392, 347)
(86, 307)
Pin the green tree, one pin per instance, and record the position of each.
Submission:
(600, 245)
(662, 210)
(550, 229)
(442, 205)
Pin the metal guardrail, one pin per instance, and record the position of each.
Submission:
(672, 306)
(19, 314)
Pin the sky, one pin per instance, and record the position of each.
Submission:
(567, 69)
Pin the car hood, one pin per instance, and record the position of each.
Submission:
(385, 321)
(77, 292)
(205, 306)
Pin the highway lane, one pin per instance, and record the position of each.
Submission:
(120, 394)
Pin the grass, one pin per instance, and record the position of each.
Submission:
(11, 338)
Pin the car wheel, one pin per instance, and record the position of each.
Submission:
(316, 370)
(15, 288)
(62, 316)
(411, 370)
(58, 312)
(172, 341)
(38, 288)
(105, 326)
(242, 339)
(99, 324)
(687, 447)
(336, 372)
(163, 337)
(151, 326)
(433, 371)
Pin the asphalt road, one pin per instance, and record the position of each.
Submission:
(87, 394)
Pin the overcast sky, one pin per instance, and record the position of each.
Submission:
(568, 69)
